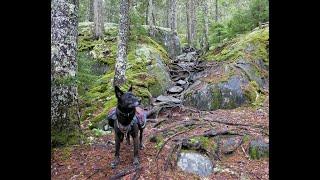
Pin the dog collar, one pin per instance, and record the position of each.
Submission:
(125, 114)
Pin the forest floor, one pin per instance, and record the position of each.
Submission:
(92, 161)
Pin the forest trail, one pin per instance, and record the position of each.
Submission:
(176, 128)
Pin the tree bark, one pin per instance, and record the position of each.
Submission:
(90, 11)
(120, 67)
(190, 10)
(98, 19)
(65, 124)
(168, 9)
(173, 15)
(206, 25)
(150, 16)
(216, 17)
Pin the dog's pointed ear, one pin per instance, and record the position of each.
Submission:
(130, 89)
(118, 91)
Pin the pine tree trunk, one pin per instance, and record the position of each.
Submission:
(173, 15)
(206, 25)
(151, 17)
(98, 19)
(90, 11)
(216, 17)
(190, 22)
(120, 67)
(65, 124)
(168, 17)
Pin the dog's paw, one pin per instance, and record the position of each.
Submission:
(136, 161)
(141, 146)
(114, 163)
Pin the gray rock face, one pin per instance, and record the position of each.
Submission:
(169, 40)
(230, 144)
(195, 163)
(212, 96)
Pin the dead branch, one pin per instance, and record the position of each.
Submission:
(159, 122)
(125, 172)
(169, 138)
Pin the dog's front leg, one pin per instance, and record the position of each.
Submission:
(117, 153)
(136, 147)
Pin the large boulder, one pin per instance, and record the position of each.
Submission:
(240, 75)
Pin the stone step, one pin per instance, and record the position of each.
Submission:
(163, 98)
(175, 89)
(181, 82)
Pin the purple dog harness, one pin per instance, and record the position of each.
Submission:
(140, 118)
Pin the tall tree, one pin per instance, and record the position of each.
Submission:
(191, 21)
(65, 124)
(206, 25)
(121, 62)
(150, 17)
(90, 14)
(168, 10)
(216, 16)
(173, 15)
(98, 18)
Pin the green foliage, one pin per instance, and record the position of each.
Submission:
(136, 21)
(242, 21)
(98, 132)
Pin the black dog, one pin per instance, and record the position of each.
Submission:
(125, 125)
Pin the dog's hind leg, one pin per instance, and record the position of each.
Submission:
(135, 146)
(140, 138)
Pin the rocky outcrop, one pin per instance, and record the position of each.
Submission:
(238, 74)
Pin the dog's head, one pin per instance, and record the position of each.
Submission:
(126, 100)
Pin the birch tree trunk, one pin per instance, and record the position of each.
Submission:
(121, 62)
(65, 124)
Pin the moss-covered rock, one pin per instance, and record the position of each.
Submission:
(146, 71)
(239, 77)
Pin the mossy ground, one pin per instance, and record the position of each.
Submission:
(239, 47)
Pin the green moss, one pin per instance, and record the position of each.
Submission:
(236, 48)
(216, 97)
(255, 153)
(64, 137)
(159, 141)
(204, 141)
(246, 138)
(253, 94)
(66, 153)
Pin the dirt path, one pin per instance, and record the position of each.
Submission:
(93, 161)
